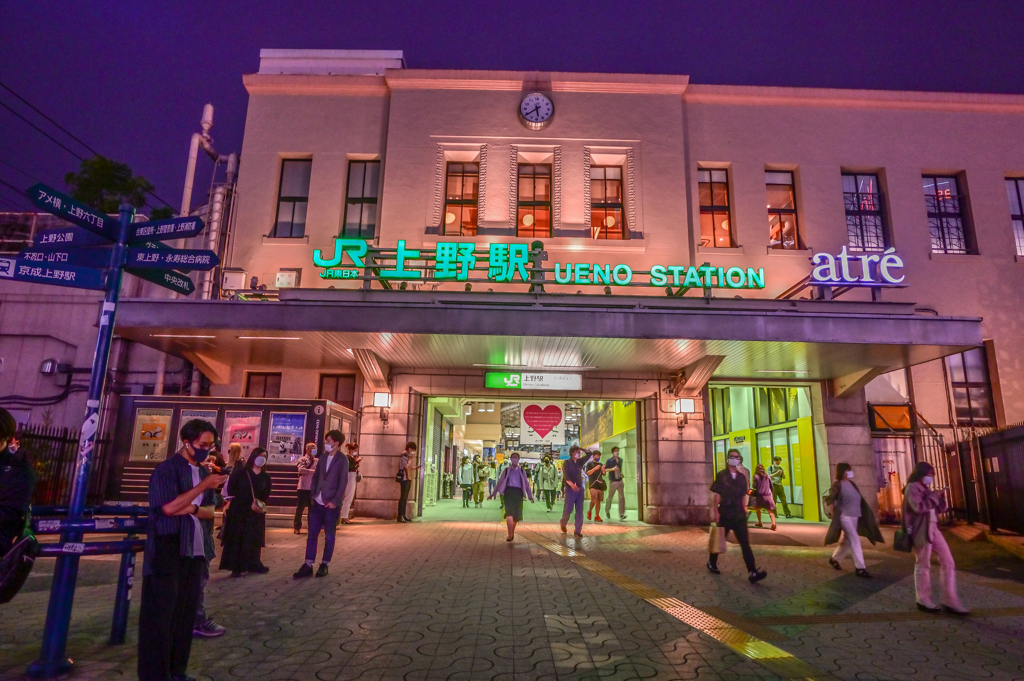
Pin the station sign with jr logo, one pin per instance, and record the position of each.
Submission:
(526, 380)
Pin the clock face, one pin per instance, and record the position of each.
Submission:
(536, 109)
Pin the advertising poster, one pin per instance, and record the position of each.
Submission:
(151, 434)
(187, 415)
(287, 429)
(242, 427)
(542, 423)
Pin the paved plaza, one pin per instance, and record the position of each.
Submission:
(448, 598)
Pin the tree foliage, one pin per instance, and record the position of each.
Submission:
(105, 184)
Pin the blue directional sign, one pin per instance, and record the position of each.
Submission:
(172, 258)
(57, 275)
(62, 205)
(161, 230)
(63, 237)
(83, 257)
(168, 279)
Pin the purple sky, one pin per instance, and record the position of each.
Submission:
(130, 79)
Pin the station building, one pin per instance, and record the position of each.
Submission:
(496, 261)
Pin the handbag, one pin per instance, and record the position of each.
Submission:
(258, 506)
(902, 541)
(716, 539)
(17, 564)
(359, 476)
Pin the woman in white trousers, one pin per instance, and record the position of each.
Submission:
(851, 516)
(352, 452)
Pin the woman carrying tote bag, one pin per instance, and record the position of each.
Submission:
(245, 522)
(851, 516)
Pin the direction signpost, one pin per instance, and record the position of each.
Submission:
(93, 256)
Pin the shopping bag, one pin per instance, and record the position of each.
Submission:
(902, 540)
(716, 539)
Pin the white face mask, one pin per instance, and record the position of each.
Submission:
(260, 461)
(849, 475)
(733, 462)
(928, 480)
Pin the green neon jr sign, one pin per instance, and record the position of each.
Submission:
(503, 380)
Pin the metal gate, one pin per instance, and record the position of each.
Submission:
(1002, 455)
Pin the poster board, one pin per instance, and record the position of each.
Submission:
(151, 434)
(541, 423)
(287, 430)
(187, 415)
(244, 428)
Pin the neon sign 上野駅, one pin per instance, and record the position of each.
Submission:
(505, 263)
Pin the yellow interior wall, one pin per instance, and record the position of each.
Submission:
(804, 458)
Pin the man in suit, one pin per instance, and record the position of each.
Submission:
(326, 492)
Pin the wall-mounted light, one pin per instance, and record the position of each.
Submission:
(468, 408)
(383, 400)
(490, 406)
(684, 407)
(48, 367)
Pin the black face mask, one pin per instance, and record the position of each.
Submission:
(200, 454)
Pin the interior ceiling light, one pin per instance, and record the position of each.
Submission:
(269, 338)
(177, 335)
(783, 371)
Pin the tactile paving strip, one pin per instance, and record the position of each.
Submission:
(773, 658)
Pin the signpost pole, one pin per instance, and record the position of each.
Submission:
(52, 659)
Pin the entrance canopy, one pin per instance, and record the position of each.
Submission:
(755, 339)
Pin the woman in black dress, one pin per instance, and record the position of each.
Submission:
(244, 525)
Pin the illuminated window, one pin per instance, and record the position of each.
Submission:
(361, 200)
(338, 388)
(534, 200)
(972, 392)
(863, 199)
(713, 190)
(1015, 192)
(293, 197)
(782, 226)
(263, 385)
(945, 214)
(606, 203)
(460, 199)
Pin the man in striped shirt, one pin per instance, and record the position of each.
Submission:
(180, 497)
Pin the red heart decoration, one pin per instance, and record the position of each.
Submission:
(543, 421)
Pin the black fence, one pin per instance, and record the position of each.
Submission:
(52, 452)
(1002, 455)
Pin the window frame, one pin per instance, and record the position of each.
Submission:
(463, 202)
(263, 375)
(942, 216)
(293, 199)
(856, 210)
(968, 386)
(1017, 219)
(361, 201)
(604, 206)
(336, 376)
(520, 203)
(714, 209)
(797, 241)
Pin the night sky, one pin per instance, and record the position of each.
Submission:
(130, 78)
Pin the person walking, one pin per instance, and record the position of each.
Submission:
(492, 476)
(327, 489)
(572, 486)
(245, 523)
(851, 515)
(763, 497)
(778, 474)
(616, 484)
(466, 480)
(482, 473)
(17, 484)
(547, 481)
(920, 508)
(352, 452)
(306, 466)
(180, 495)
(729, 511)
(597, 485)
(405, 475)
(513, 484)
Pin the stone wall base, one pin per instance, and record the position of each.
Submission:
(677, 515)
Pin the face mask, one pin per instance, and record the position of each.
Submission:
(849, 475)
(328, 448)
(927, 480)
(200, 454)
(312, 452)
(260, 461)
(733, 462)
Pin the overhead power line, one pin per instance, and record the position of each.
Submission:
(43, 132)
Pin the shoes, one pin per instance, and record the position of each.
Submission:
(578, 535)
(562, 526)
(346, 521)
(304, 571)
(262, 569)
(959, 612)
(236, 573)
(757, 575)
(928, 608)
(509, 538)
(298, 531)
(713, 568)
(402, 520)
(408, 520)
(759, 525)
(788, 515)
(835, 563)
(861, 572)
(208, 629)
(597, 519)
(588, 515)
(773, 528)
(622, 517)
(322, 570)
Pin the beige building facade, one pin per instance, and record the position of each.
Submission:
(631, 181)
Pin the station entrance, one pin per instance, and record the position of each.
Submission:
(489, 430)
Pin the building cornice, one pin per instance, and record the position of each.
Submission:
(740, 95)
(425, 79)
(264, 84)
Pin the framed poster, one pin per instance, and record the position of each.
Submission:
(186, 415)
(287, 430)
(542, 423)
(151, 434)
(244, 428)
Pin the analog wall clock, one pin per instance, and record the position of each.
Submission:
(536, 110)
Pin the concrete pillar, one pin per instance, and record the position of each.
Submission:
(841, 434)
(676, 468)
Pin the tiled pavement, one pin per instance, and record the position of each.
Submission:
(448, 598)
